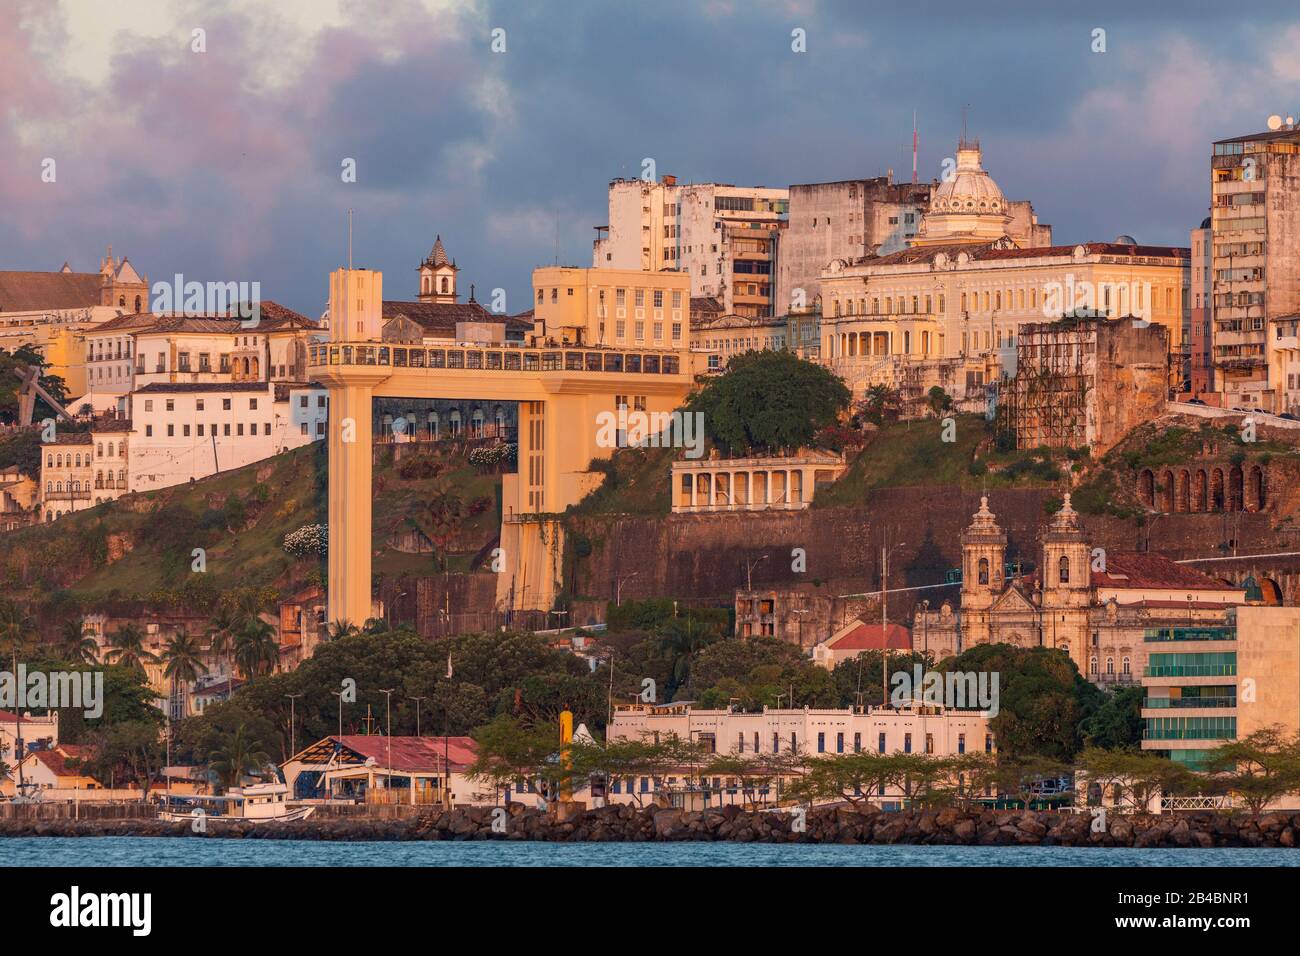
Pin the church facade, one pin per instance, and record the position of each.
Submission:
(1101, 607)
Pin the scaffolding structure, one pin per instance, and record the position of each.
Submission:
(1046, 403)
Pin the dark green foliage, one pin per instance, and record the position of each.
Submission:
(769, 402)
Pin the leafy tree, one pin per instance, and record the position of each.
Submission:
(769, 402)
(127, 752)
(1039, 698)
(1134, 777)
(1259, 768)
(1116, 724)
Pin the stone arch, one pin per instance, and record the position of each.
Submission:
(1218, 500)
(1182, 491)
(1200, 488)
(1167, 492)
(1147, 488)
(1255, 488)
(1236, 488)
(1271, 591)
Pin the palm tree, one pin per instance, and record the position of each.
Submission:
(182, 661)
(256, 649)
(77, 643)
(16, 631)
(221, 635)
(341, 629)
(127, 648)
(237, 755)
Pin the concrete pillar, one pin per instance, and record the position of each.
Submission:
(350, 439)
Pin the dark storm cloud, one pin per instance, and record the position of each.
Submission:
(185, 165)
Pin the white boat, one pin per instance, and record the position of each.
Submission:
(256, 803)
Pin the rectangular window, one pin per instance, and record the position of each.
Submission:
(907, 743)
(821, 743)
(198, 405)
(171, 431)
(839, 743)
(881, 747)
(148, 431)
(252, 404)
(225, 404)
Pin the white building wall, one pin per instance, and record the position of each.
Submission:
(184, 435)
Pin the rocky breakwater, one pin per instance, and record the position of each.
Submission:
(840, 824)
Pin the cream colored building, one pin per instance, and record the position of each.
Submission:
(1211, 685)
(618, 308)
(51, 310)
(1097, 605)
(722, 236)
(813, 732)
(946, 310)
(752, 484)
(82, 469)
(1255, 223)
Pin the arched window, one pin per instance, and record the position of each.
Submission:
(137, 303)
(444, 283)
(49, 461)
(1092, 665)
(49, 487)
(1065, 569)
(121, 301)
(99, 449)
(1127, 665)
(58, 461)
(1110, 665)
(984, 571)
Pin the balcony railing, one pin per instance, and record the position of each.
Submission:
(1192, 670)
(499, 359)
(78, 495)
(1182, 703)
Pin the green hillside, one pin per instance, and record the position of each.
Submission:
(141, 547)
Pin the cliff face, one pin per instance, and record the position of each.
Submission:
(704, 557)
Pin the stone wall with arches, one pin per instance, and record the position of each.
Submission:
(1205, 487)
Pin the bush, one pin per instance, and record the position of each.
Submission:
(413, 469)
(308, 541)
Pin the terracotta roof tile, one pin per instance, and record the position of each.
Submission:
(32, 291)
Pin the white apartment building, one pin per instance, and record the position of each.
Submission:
(188, 431)
(132, 351)
(724, 237)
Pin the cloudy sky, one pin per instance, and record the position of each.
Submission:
(225, 164)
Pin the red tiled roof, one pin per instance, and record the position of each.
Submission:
(30, 291)
(1143, 569)
(867, 637)
(57, 759)
(441, 317)
(980, 252)
(412, 753)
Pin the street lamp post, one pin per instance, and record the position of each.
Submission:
(293, 749)
(884, 622)
(618, 587)
(388, 769)
(749, 570)
(417, 712)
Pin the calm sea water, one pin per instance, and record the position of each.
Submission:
(146, 851)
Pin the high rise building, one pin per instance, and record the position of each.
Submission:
(724, 237)
(1200, 333)
(1255, 229)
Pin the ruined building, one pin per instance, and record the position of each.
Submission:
(1084, 382)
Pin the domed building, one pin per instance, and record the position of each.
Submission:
(967, 206)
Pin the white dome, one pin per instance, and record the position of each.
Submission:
(971, 190)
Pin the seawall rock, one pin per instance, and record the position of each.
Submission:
(830, 824)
